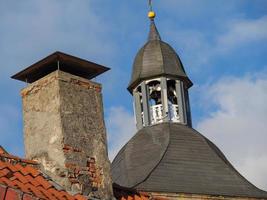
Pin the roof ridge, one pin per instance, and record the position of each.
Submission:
(15, 159)
(163, 71)
(126, 151)
(158, 161)
(2, 150)
(153, 32)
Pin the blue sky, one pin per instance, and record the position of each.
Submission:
(223, 46)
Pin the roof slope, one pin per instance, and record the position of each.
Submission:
(190, 164)
(20, 179)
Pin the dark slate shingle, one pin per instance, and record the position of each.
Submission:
(156, 59)
(186, 163)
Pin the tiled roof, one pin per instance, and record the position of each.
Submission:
(128, 194)
(21, 179)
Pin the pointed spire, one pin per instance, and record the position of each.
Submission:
(153, 33)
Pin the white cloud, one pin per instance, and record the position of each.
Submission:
(238, 126)
(255, 168)
(242, 32)
(120, 128)
(204, 45)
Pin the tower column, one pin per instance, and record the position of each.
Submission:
(164, 98)
(181, 101)
(188, 109)
(137, 109)
(146, 110)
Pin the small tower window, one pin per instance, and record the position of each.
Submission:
(154, 93)
(172, 96)
(155, 101)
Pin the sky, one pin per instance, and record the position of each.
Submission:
(222, 44)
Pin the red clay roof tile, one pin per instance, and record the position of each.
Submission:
(6, 181)
(32, 170)
(2, 192)
(54, 192)
(2, 166)
(9, 166)
(43, 182)
(21, 186)
(28, 197)
(13, 194)
(35, 191)
(7, 156)
(32, 180)
(21, 169)
(4, 172)
(46, 193)
(29, 161)
(20, 177)
(20, 180)
(2, 150)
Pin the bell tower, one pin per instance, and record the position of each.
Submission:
(166, 158)
(159, 83)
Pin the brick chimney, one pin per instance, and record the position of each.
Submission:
(64, 126)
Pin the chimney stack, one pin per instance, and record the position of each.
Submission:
(64, 126)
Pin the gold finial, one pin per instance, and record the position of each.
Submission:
(151, 13)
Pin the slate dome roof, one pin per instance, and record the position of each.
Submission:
(156, 58)
(178, 159)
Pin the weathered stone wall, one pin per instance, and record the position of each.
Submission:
(64, 130)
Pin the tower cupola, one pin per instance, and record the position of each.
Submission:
(167, 158)
(159, 83)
